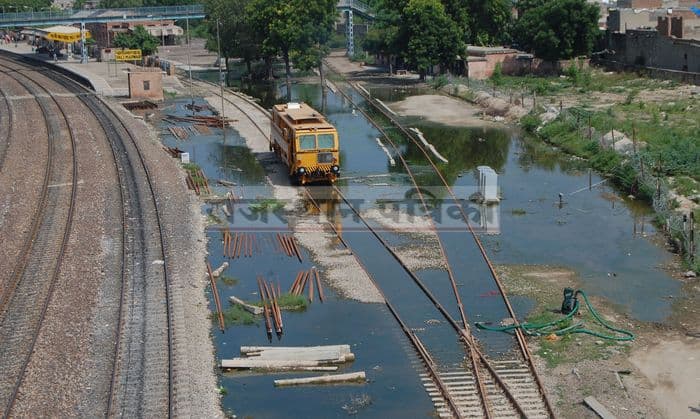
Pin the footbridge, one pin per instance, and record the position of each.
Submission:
(350, 8)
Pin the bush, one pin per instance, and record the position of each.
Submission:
(439, 82)
(530, 122)
(497, 76)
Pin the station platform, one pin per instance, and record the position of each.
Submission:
(107, 79)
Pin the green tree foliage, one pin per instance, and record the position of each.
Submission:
(140, 38)
(421, 32)
(557, 29)
(292, 28)
(24, 6)
(433, 38)
(238, 39)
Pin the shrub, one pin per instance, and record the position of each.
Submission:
(439, 82)
(530, 122)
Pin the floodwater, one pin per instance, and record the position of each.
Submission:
(594, 232)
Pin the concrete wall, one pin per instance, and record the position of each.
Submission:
(146, 84)
(517, 64)
(639, 4)
(648, 48)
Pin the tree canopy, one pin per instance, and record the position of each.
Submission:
(433, 38)
(558, 29)
(140, 38)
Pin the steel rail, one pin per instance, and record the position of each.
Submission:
(520, 337)
(5, 144)
(62, 249)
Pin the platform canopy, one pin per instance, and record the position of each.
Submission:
(60, 33)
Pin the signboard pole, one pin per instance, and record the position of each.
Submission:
(83, 52)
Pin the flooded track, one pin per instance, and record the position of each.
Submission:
(480, 388)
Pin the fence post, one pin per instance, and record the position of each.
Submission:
(590, 131)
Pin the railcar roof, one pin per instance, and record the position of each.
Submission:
(302, 114)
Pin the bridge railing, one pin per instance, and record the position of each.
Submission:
(147, 12)
(354, 5)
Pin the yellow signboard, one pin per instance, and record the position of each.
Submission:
(127, 55)
(66, 37)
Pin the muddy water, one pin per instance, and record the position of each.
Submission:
(594, 232)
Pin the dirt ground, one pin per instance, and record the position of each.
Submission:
(441, 109)
(656, 375)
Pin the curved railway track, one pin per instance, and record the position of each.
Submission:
(144, 338)
(26, 300)
(509, 388)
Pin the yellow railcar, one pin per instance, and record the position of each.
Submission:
(306, 142)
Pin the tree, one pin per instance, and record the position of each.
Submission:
(433, 37)
(140, 38)
(557, 29)
(489, 21)
(237, 36)
(291, 28)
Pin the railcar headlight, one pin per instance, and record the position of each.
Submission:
(301, 170)
(335, 169)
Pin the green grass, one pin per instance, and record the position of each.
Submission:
(685, 186)
(264, 205)
(518, 211)
(289, 302)
(236, 315)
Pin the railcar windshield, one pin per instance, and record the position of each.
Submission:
(307, 142)
(325, 141)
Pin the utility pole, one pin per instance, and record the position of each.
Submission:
(221, 80)
(189, 63)
(162, 32)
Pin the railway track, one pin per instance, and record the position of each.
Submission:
(483, 388)
(144, 350)
(26, 299)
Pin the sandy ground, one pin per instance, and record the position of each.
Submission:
(441, 109)
(672, 368)
(659, 372)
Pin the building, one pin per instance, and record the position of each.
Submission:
(663, 55)
(104, 33)
(621, 20)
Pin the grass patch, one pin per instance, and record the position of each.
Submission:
(289, 302)
(228, 280)
(518, 211)
(685, 186)
(265, 205)
(544, 285)
(235, 315)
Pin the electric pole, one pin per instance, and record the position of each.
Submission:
(221, 81)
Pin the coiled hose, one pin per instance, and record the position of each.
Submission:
(550, 328)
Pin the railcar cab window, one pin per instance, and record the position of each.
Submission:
(325, 141)
(307, 142)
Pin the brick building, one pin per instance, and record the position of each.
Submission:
(104, 33)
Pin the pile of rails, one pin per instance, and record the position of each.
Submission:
(184, 132)
(198, 182)
(307, 277)
(209, 121)
(289, 245)
(271, 307)
(239, 244)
